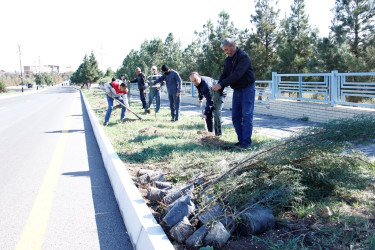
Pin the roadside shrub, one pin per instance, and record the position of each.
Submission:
(2, 87)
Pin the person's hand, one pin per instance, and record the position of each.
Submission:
(110, 94)
(204, 117)
(144, 91)
(178, 94)
(216, 87)
(200, 102)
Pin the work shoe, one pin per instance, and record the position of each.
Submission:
(241, 146)
(105, 123)
(148, 111)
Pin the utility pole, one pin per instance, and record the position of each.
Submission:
(19, 53)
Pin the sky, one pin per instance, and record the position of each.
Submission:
(52, 32)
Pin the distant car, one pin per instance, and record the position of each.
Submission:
(30, 85)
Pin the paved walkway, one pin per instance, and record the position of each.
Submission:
(272, 126)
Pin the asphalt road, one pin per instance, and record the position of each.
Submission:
(54, 189)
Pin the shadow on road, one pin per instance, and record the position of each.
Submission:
(66, 131)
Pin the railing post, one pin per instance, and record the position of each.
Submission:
(334, 88)
(274, 86)
(192, 89)
(300, 87)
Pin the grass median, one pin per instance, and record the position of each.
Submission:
(299, 178)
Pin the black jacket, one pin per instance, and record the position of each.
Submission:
(141, 79)
(238, 71)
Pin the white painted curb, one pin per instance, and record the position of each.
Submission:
(144, 231)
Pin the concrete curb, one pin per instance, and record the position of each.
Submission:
(144, 231)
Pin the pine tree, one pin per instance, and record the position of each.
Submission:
(353, 25)
(87, 72)
(172, 53)
(261, 45)
(212, 57)
(295, 41)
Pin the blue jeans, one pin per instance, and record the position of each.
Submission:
(174, 104)
(154, 93)
(110, 108)
(242, 113)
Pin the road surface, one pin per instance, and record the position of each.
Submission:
(55, 192)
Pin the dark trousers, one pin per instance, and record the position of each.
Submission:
(142, 95)
(174, 104)
(214, 118)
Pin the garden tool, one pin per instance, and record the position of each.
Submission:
(131, 111)
(204, 119)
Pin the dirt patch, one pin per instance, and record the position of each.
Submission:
(208, 139)
(151, 131)
(129, 120)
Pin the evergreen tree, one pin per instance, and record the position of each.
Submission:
(261, 45)
(190, 59)
(328, 57)
(87, 72)
(129, 64)
(172, 53)
(151, 54)
(353, 24)
(212, 57)
(109, 73)
(295, 41)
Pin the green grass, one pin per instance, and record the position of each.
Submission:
(299, 175)
(10, 92)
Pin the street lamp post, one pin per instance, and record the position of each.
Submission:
(19, 53)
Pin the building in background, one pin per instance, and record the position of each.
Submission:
(47, 69)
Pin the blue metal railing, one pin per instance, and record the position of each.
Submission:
(330, 88)
(354, 89)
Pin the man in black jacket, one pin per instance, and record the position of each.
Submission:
(142, 86)
(238, 73)
(214, 100)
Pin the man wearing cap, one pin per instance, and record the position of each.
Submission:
(173, 82)
(115, 90)
(238, 73)
(154, 88)
(214, 100)
(142, 86)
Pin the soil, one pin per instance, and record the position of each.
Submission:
(151, 131)
(208, 139)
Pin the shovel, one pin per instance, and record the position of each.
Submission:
(131, 111)
(204, 119)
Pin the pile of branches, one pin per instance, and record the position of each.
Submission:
(317, 163)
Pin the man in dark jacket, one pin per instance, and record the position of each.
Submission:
(142, 86)
(173, 82)
(238, 73)
(214, 100)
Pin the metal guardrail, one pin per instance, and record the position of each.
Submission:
(353, 89)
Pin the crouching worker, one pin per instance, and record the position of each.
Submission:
(118, 91)
(214, 100)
